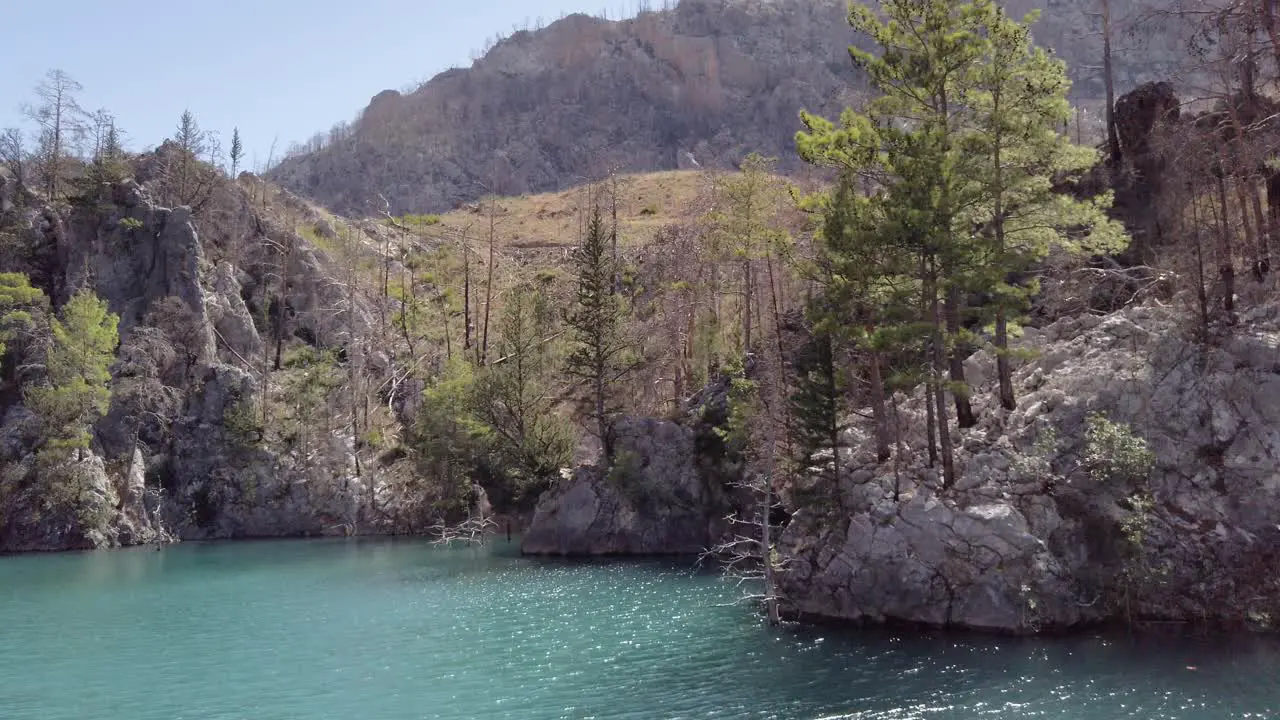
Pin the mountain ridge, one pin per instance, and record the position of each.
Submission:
(701, 84)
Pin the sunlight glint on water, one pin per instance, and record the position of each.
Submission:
(384, 630)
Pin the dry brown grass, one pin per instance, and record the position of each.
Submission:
(646, 202)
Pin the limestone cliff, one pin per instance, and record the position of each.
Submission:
(205, 436)
(1030, 539)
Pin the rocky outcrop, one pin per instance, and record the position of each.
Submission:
(103, 512)
(655, 500)
(700, 85)
(1139, 110)
(183, 451)
(1030, 539)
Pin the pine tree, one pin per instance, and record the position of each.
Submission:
(513, 392)
(817, 404)
(599, 356)
(866, 304)
(77, 393)
(1019, 104)
(17, 300)
(938, 152)
(906, 142)
(237, 152)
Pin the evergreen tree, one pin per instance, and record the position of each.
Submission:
(818, 406)
(83, 348)
(868, 289)
(514, 397)
(237, 152)
(935, 152)
(189, 136)
(599, 355)
(1019, 104)
(906, 144)
(17, 300)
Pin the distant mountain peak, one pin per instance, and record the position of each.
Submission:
(543, 109)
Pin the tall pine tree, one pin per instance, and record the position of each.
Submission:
(1019, 103)
(926, 153)
(599, 356)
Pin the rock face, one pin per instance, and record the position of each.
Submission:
(655, 501)
(109, 512)
(182, 452)
(709, 79)
(1138, 111)
(1029, 539)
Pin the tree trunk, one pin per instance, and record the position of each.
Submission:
(1226, 253)
(280, 300)
(602, 420)
(613, 236)
(1004, 369)
(897, 456)
(876, 380)
(766, 553)
(1264, 232)
(781, 368)
(1273, 209)
(1113, 137)
(936, 375)
(1269, 22)
(931, 421)
(959, 392)
(1202, 298)
(466, 294)
(483, 357)
(746, 308)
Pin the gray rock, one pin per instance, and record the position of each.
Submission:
(654, 501)
(181, 413)
(1029, 542)
(229, 315)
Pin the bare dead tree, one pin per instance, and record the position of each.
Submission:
(61, 121)
(14, 154)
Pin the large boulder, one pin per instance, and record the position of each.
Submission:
(654, 500)
(1138, 112)
(928, 561)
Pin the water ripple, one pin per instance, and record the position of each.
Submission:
(397, 630)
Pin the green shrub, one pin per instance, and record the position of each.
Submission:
(243, 424)
(1114, 454)
(420, 220)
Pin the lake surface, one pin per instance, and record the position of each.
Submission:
(391, 630)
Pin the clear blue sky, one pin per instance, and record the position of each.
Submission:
(285, 68)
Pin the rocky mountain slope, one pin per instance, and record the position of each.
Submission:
(705, 83)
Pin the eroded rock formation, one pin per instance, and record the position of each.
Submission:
(1030, 539)
(181, 453)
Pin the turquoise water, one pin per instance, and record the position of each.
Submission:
(386, 630)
